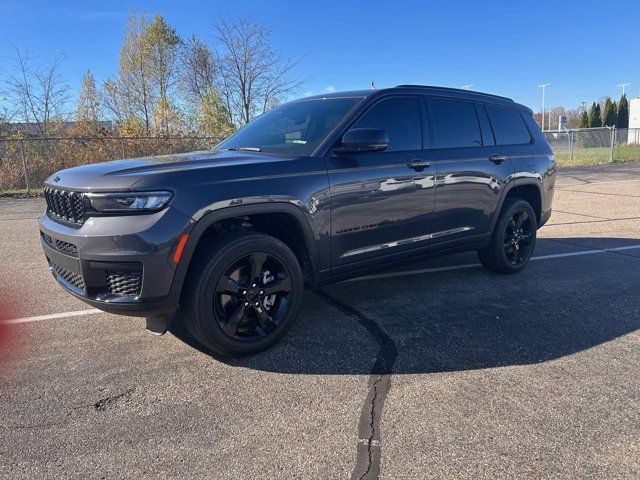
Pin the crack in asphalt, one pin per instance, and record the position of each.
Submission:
(369, 445)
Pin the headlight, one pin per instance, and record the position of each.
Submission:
(133, 202)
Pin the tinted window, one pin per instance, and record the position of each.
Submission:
(508, 126)
(295, 128)
(400, 117)
(455, 124)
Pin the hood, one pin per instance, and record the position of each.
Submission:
(124, 174)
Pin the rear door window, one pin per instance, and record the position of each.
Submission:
(508, 126)
(400, 117)
(455, 124)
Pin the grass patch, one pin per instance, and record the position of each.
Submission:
(597, 155)
(22, 193)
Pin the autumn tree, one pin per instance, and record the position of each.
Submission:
(213, 117)
(253, 76)
(130, 93)
(146, 74)
(160, 43)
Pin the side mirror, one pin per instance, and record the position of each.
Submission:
(364, 140)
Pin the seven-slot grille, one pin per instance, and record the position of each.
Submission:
(124, 283)
(64, 205)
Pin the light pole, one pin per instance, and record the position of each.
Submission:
(622, 85)
(467, 87)
(543, 86)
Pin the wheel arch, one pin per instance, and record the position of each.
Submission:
(296, 232)
(530, 191)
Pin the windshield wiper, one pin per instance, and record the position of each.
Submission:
(245, 149)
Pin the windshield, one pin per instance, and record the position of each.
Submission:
(295, 128)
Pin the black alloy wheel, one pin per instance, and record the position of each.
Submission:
(243, 294)
(252, 296)
(513, 239)
(518, 237)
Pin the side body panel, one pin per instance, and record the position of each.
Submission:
(469, 187)
(379, 204)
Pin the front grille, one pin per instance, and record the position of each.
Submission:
(64, 205)
(61, 246)
(73, 278)
(124, 283)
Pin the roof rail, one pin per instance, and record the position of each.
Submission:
(430, 87)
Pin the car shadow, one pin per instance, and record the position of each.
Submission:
(464, 318)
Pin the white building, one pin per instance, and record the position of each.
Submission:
(634, 120)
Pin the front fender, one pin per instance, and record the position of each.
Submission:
(233, 208)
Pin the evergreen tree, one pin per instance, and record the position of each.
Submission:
(584, 120)
(595, 117)
(610, 115)
(622, 120)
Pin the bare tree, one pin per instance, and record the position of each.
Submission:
(253, 77)
(199, 72)
(36, 91)
(199, 83)
(114, 101)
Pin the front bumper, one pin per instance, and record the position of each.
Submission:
(119, 264)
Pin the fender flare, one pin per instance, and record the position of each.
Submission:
(212, 217)
(510, 186)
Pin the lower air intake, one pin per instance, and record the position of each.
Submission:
(124, 283)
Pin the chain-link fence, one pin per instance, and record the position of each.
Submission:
(591, 146)
(26, 163)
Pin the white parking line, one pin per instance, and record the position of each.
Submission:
(93, 311)
(53, 316)
(474, 265)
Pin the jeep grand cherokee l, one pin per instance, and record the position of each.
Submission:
(313, 191)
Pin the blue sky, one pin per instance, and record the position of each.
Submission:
(583, 48)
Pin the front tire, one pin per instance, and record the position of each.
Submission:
(243, 294)
(513, 239)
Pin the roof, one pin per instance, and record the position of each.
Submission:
(428, 90)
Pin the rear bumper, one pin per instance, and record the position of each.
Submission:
(120, 265)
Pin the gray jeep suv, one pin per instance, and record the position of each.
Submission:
(313, 191)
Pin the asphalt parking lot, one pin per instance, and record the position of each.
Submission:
(440, 369)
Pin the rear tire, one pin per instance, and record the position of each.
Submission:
(513, 239)
(243, 294)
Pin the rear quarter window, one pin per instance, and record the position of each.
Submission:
(508, 126)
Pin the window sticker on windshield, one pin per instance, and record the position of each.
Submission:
(302, 142)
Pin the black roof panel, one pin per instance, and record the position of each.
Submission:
(427, 90)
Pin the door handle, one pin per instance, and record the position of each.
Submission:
(418, 165)
(497, 159)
